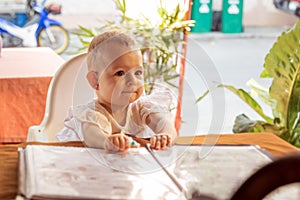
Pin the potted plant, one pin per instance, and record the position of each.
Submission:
(161, 42)
(282, 65)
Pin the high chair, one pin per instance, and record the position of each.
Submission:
(61, 96)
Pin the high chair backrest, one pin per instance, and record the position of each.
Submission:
(68, 87)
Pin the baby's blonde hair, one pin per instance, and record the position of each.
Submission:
(106, 47)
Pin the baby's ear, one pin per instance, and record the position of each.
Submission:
(92, 78)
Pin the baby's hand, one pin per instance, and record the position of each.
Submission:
(160, 141)
(117, 142)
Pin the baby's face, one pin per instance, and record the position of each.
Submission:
(122, 82)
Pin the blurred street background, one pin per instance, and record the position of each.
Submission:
(236, 57)
(90, 13)
(231, 58)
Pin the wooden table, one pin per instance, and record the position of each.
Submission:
(25, 74)
(9, 155)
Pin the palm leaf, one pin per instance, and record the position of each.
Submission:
(282, 63)
(89, 33)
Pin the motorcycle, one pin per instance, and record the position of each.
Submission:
(39, 30)
(289, 6)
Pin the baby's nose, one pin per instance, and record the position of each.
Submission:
(130, 78)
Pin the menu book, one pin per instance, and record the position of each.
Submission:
(61, 172)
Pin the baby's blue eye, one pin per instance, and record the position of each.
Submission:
(139, 72)
(120, 73)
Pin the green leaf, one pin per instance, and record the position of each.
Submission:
(87, 31)
(282, 63)
(170, 77)
(202, 96)
(262, 93)
(265, 74)
(249, 100)
(242, 124)
(121, 5)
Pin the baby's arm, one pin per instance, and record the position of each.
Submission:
(97, 138)
(164, 128)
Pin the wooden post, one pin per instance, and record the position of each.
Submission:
(182, 70)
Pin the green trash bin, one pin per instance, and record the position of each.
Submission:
(232, 16)
(202, 14)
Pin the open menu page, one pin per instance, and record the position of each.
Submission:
(84, 173)
(217, 171)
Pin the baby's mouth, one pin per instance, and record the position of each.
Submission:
(128, 92)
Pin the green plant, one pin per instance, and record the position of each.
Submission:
(282, 65)
(161, 43)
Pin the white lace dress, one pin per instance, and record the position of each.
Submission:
(159, 103)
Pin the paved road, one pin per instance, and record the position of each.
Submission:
(235, 60)
(231, 59)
